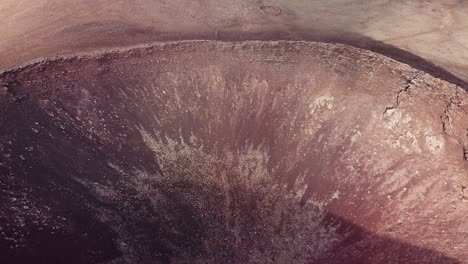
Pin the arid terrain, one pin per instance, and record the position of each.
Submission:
(233, 132)
(433, 30)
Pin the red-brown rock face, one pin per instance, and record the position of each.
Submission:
(217, 152)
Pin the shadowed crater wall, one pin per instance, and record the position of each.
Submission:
(220, 152)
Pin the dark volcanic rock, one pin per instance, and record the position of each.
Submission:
(216, 152)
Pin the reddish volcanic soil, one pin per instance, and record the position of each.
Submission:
(232, 152)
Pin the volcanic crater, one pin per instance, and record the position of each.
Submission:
(232, 152)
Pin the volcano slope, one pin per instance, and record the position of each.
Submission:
(220, 152)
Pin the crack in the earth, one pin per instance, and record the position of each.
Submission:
(409, 84)
(465, 148)
(447, 126)
(446, 118)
